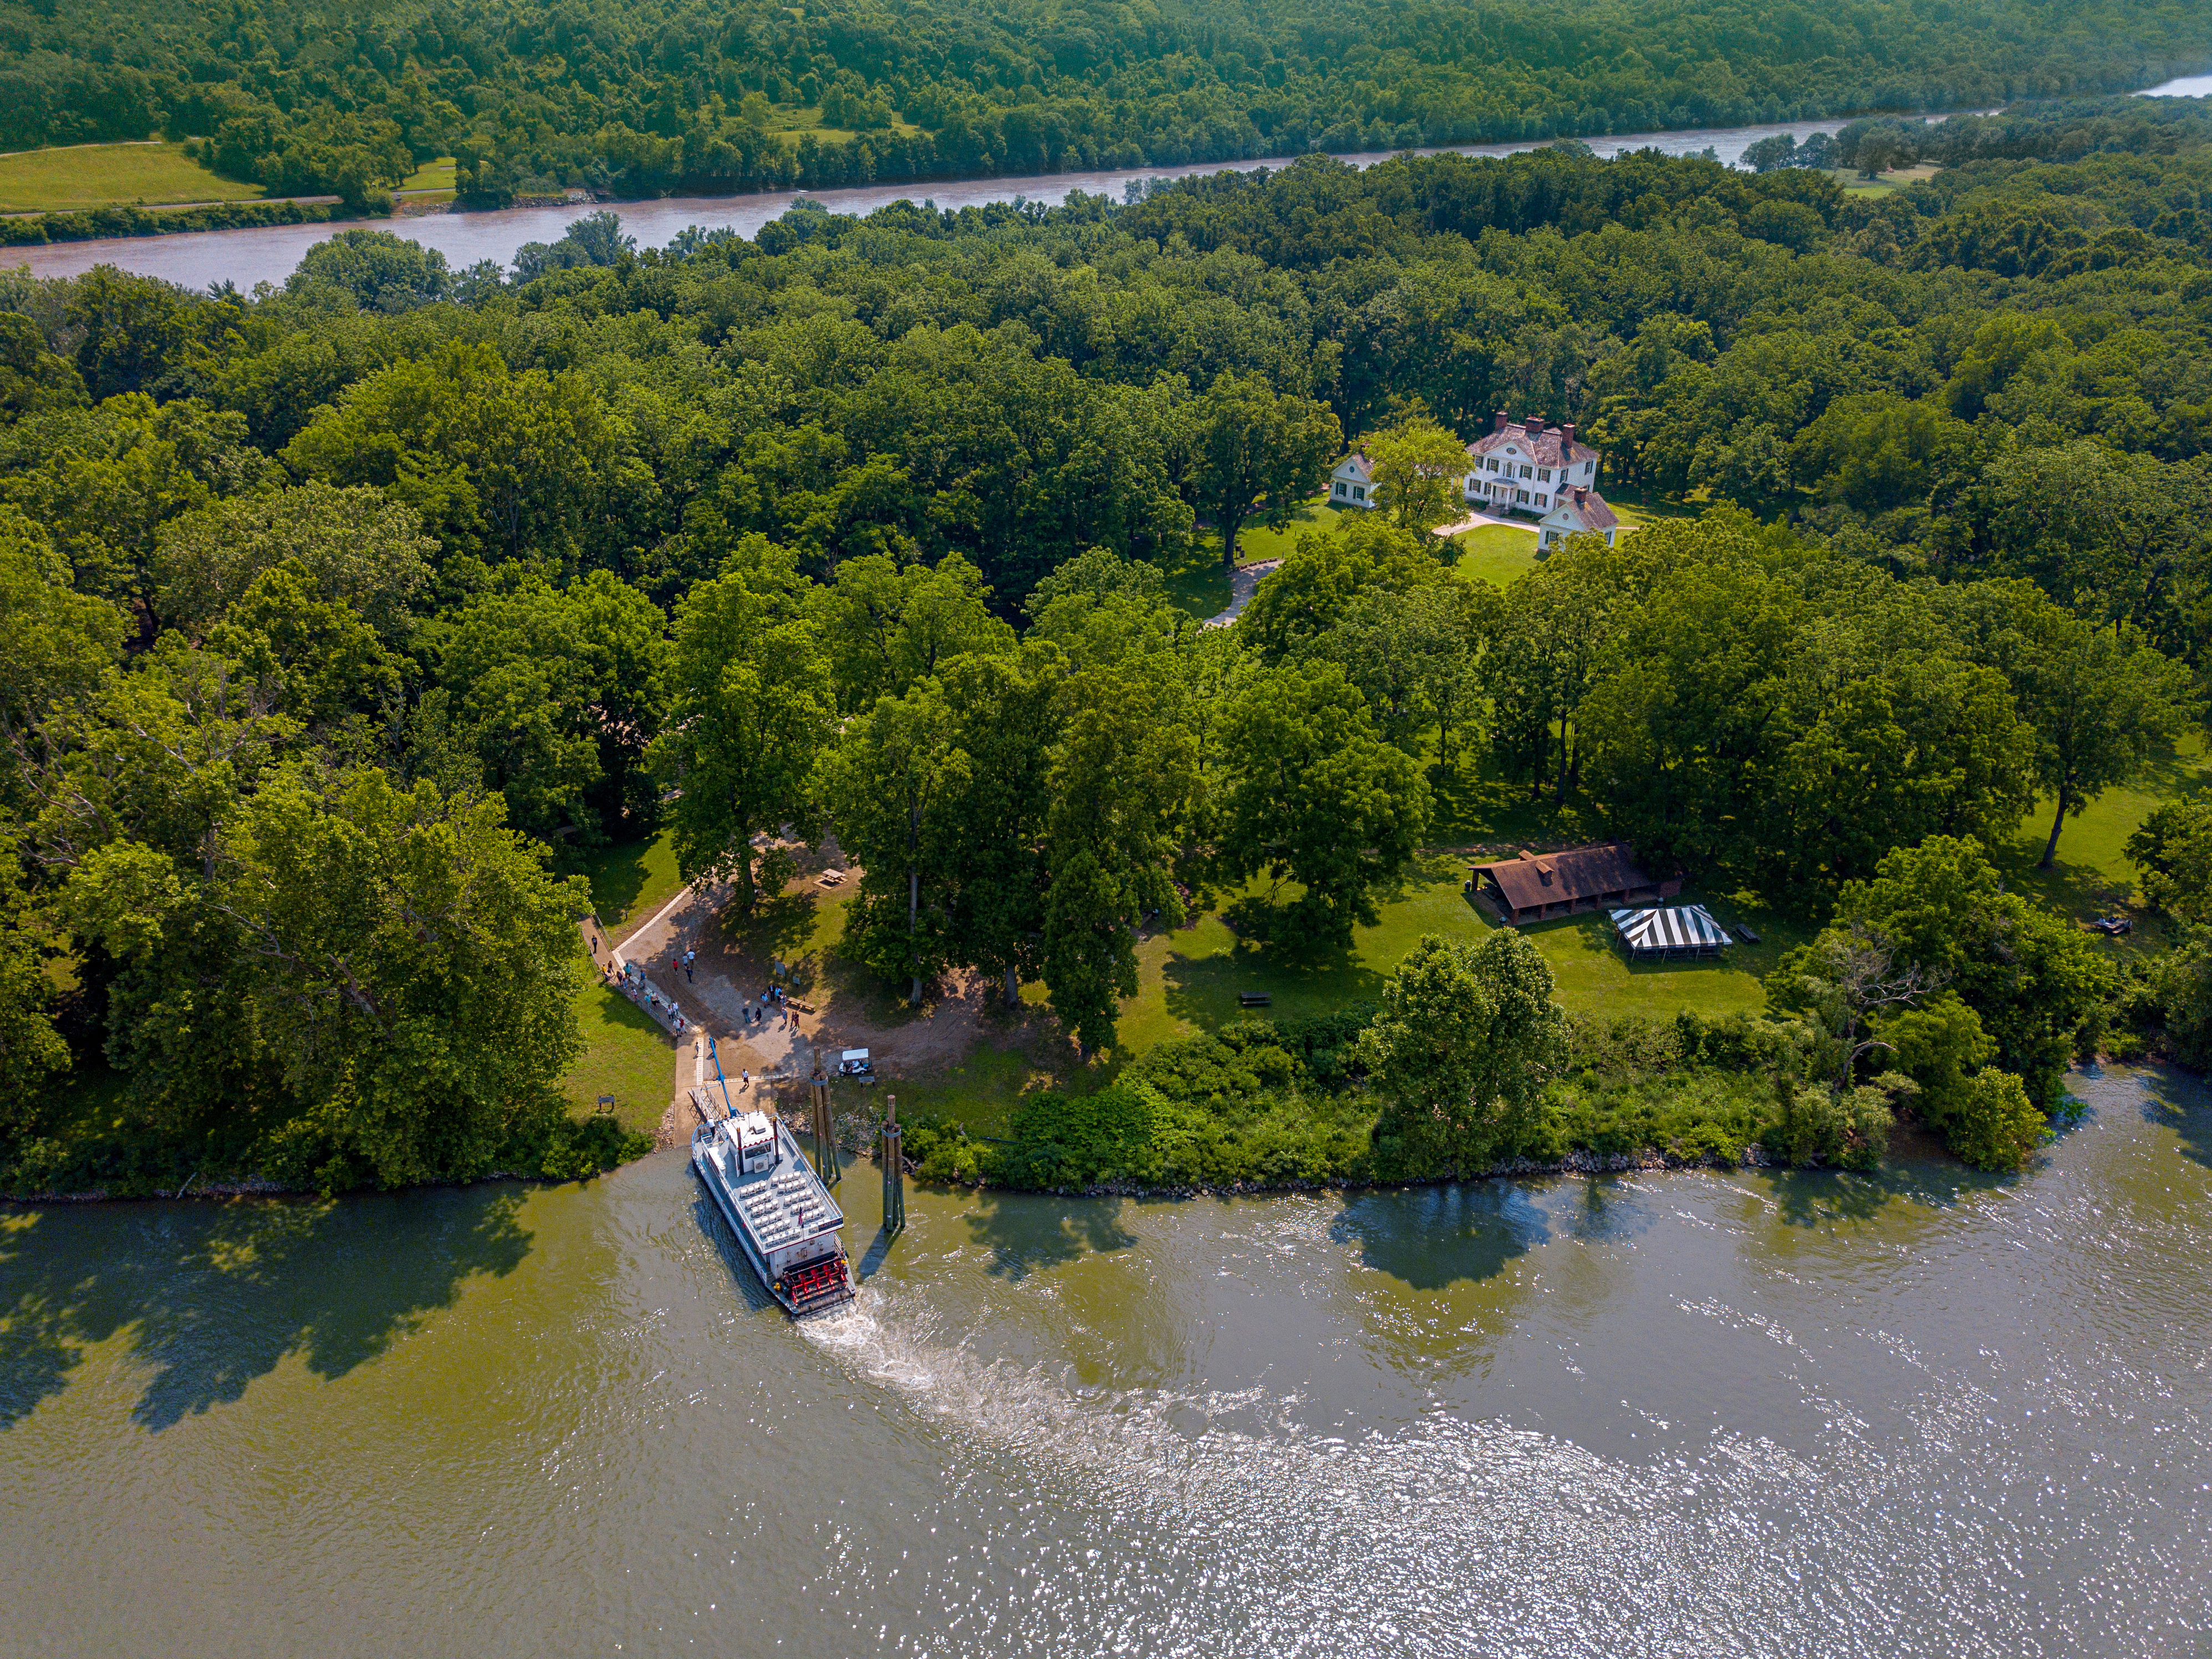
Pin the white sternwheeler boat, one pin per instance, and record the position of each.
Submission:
(784, 1218)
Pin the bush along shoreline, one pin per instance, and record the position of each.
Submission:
(1267, 1106)
(1238, 1112)
(97, 224)
(549, 1146)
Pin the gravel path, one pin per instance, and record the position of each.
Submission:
(1243, 582)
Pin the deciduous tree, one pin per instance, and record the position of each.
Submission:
(1467, 1038)
(1254, 447)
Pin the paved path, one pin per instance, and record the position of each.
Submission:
(1243, 582)
(1475, 519)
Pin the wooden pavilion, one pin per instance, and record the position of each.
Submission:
(1538, 886)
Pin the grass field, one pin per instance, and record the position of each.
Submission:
(796, 119)
(431, 176)
(1895, 179)
(2090, 876)
(109, 175)
(631, 881)
(1491, 553)
(1190, 979)
(625, 1055)
(1200, 585)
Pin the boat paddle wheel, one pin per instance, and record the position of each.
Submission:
(817, 1285)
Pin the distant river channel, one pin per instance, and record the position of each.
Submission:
(202, 258)
(1925, 1412)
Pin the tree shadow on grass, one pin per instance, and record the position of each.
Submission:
(1203, 991)
(1027, 1234)
(782, 925)
(617, 875)
(212, 1296)
(1430, 1238)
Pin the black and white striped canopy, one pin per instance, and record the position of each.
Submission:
(1680, 927)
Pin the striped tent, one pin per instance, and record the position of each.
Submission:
(1682, 930)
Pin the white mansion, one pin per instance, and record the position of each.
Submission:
(1522, 466)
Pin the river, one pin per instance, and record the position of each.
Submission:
(1752, 1414)
(202, 258)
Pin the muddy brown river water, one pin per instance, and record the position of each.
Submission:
(1685, 1414)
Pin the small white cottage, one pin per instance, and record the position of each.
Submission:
(1352, 483)
(1580, 511)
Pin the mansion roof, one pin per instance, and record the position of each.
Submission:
(1543, 446)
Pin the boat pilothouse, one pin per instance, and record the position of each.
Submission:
(784, 1218)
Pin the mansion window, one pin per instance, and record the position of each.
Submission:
(1540, 501)
(1358, 494)
(1543, 474)
(1520, 495)
(1526, 471)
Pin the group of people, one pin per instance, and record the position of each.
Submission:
(631, 978)
(774, 1004)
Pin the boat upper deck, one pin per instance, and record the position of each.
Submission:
(781, 1205)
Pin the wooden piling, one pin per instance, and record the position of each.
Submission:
(825, 1128)
(894, 1169)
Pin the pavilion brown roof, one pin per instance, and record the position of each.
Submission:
(1537, 879)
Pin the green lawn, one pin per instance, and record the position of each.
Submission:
(1201, 584)
(1190, 980)
(430, 176)
(1256, 542)
(626, 1054)
(631, 881)
(2090, 876)
(1491, 553)
(108, 175)
(795, 118)
(1635, 508)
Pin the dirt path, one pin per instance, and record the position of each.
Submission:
(1243, 582)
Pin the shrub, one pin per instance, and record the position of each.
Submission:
(576, 1149)
(1999, 1128)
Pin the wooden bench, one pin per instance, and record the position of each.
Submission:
(1254, 999)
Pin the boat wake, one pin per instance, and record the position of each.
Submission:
(1476, 1536)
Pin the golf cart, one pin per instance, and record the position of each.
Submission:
(855, 1062)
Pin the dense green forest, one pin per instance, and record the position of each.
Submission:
(342, 619)
(653, 96)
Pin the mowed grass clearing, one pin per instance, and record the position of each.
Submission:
(1189, 979)
(631, 881)
(1491, 553)
(626, 1054)
(429, 178)
(2090, 876)
(111, 175)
